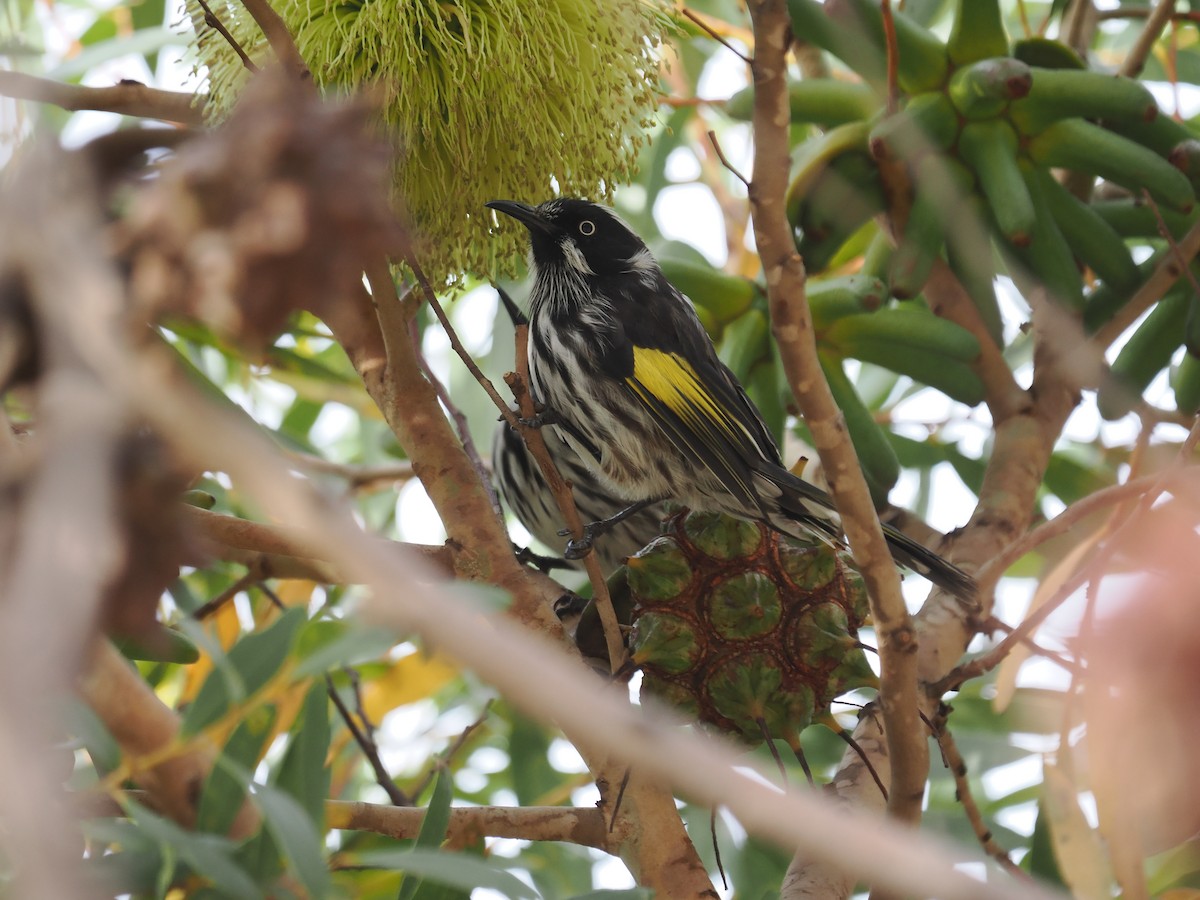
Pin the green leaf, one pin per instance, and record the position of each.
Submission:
(225, 788)
(433, 832)
(296, 836)
(207, 855)
(140, 43)
(101, 746)
(1040, 861)
(325, 644)
(249, 665)
(454, 869)
(302, 773)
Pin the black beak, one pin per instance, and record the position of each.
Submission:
(525, 214)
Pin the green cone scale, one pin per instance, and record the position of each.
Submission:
(743, 629)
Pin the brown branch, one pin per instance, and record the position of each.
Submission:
(375, 335)
(143, 725)
(272, 552)
(357, 476)
(582, 826)
(129, 98)
(792, 325)
(1147, 490)
(994, 569)
(1156, 21)
(276, 32)
(1165, 274)
(948, 299)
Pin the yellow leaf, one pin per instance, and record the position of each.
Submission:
(295, 592)
(1077, 846)
(1006, 672)
(224, 627)
(410, 678)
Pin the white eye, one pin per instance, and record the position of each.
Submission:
(587, 227)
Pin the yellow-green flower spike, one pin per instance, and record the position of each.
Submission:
(504, 98)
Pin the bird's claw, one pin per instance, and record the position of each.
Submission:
(578, 548)
(540, 419)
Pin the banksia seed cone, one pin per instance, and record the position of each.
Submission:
(744, 629)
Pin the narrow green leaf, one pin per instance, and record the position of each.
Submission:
(302, 773)
(251, 662)
(84, 724)
(433, 832)
(207, 855)
(325, 644)
(225, 788)
(296, 836)
(141, 43)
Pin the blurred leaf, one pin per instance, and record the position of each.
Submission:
(84, 724)
(252, 662)
(302, 772)
(432, 834)
(209, 856)
(455, 869)
(225, 788)
(139, 43)
(1078, 850)
(325, 644)
(297, 837)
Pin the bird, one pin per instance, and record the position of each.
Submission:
(629, 379)
(519, 481)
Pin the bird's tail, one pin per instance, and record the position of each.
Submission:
(812, 508)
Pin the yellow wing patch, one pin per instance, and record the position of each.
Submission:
(669, 379)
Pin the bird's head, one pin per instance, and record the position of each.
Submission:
(583, 238)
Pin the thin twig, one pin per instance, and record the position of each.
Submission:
(461, 426)
(1165, 274)
(211, 20)
(457, 345)
(207, 609)
(535, 441)
(443, 759)
(711, 32)
(994, 624)
(954, 761)
(1163, 230)
(366, 743)
(279, 38)
(712, 137)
